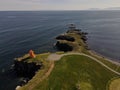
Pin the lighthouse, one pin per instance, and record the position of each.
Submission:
(32, 54)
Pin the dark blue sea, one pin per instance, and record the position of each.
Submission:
(21, 31)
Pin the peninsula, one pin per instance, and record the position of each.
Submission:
(74, 67)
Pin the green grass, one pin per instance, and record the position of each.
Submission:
(106, 62)
(60, 52)
(75, 71)
(39, 57)
(84, 50)
(79, 46)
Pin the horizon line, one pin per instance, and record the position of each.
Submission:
(69, 10)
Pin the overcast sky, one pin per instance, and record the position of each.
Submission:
(56, 4)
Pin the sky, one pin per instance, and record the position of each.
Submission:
(56, 4)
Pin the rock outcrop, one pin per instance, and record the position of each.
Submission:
(64, 46)
(69, 40)
(74, 31)
(27, 69)
(65, 37)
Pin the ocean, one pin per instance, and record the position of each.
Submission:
(21, 31)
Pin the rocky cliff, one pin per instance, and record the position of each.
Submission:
(25, 68)
(64, 46)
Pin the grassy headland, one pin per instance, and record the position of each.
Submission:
(73, 72)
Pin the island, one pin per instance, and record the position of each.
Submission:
(73, 67)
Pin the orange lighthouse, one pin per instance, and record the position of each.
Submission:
(32, 54)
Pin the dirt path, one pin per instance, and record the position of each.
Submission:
(56, 57)
(42, 78)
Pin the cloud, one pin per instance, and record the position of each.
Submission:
(46, 1)
(56, 4)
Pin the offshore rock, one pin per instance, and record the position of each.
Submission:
(65, 37)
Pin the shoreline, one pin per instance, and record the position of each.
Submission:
(105, 57)
(77, 41)
(89, 50)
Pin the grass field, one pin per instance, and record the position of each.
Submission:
(75, 72)
(106, 62)
(81, 48)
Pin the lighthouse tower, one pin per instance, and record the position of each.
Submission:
(32, 54)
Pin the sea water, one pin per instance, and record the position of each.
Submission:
(21, 31)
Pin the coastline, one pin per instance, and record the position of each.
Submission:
(105, 57)
(76, 40)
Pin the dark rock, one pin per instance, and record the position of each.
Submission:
(64, 46)
(65, 37)
(74, 31)
(26, 69)
(84, 38)
(84, 33)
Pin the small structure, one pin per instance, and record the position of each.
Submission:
(32, 54)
